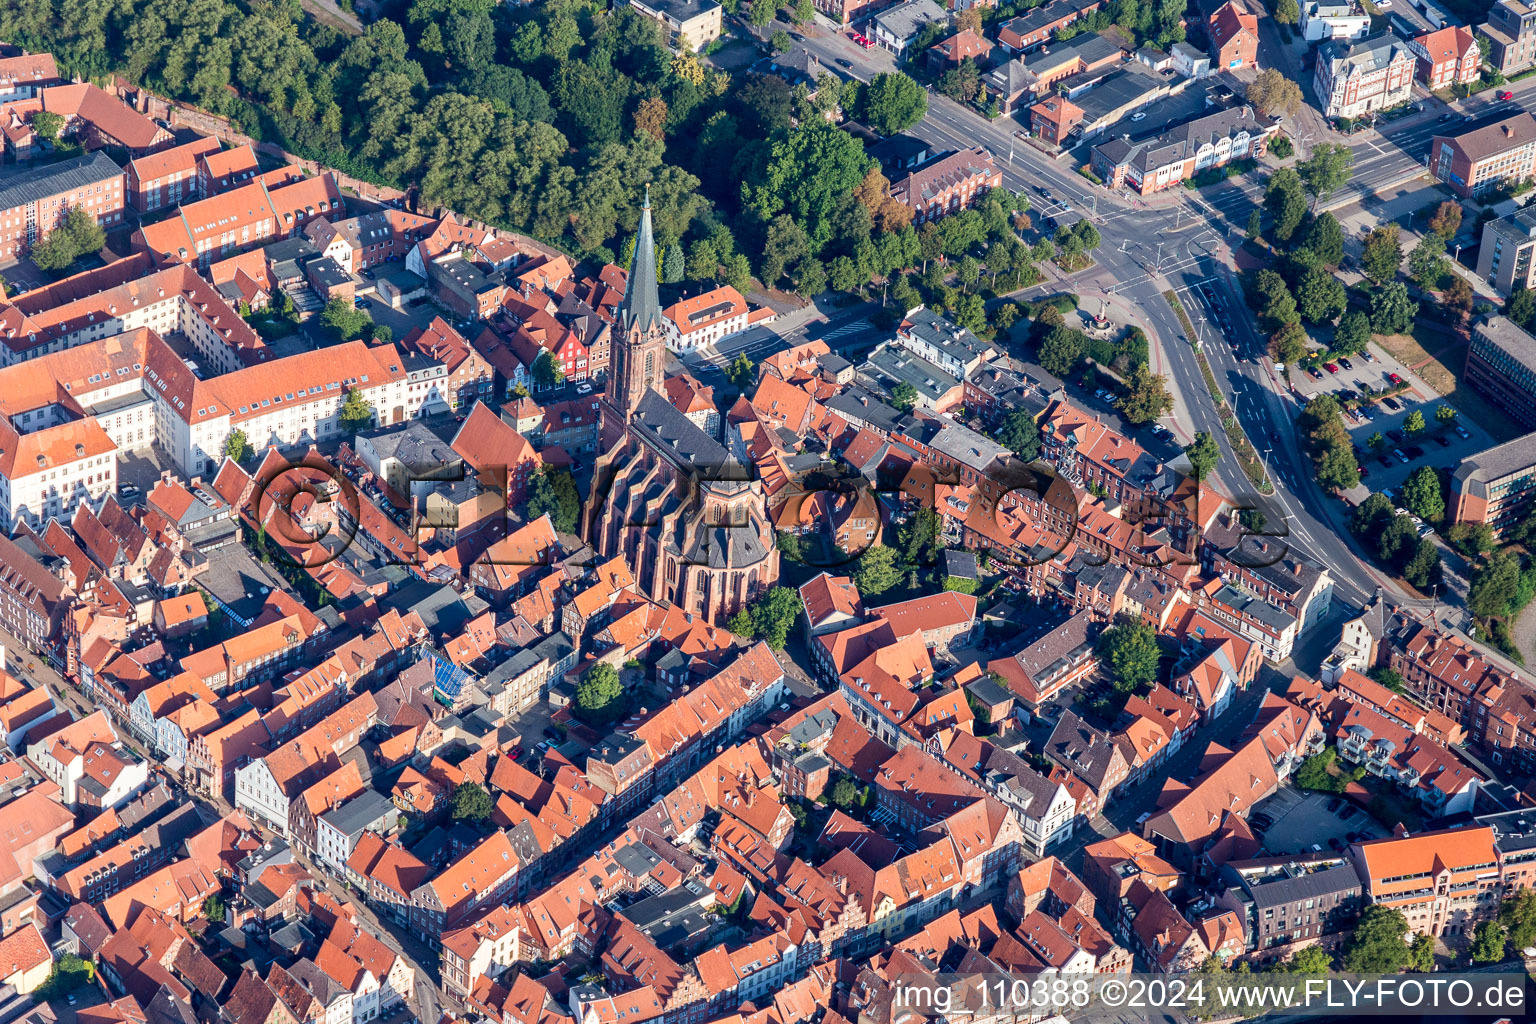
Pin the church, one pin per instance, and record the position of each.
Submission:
(685, 514)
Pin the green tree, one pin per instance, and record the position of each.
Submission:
(600, 695)
(1521, 306)
(893, 102)
(1398, 542)
(1146, 396)
(1313, 960)
(213, 909)
(76, 235)
(809, 172)
(673, 267)
(344, 320)
(1427, 263)
(770, 617)
(1391, 678)
(471, 802)
(917, 540)
(810, 278)
(1287, 12)
(1445, 414)
(1285, 198)
(781, 41)
(46, 125)
(1382, 255)
(789, 546)
(1392, 311)
(1021, 434)
(1378, 945)
(547, 373)
(1325, 239)
(1255, 225)
(237, 446)
(904, 396)
(1518, 916)
(761, 12)
(1289, 344)
(1423, 568)
(1271, 298)
(1203, 455)
(876, 570)
(1494, 586)
(1328, 168)
(1377, 442)
(845, 792)
(1421, 494)
(1488, 943)
(553, 492)
(1131, 653)
(1414, 424)
(1061, 351)
(1320, 298)
(1421, 953)
(742, 372)
(1371, 515)
(356, 413)
(1353, 335)
(1313, 773)
(1272, 93)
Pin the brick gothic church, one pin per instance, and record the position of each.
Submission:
(685, 514)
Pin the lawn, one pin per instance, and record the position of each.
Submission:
(1442, 371)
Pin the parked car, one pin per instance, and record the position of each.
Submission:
(1316, 374)
(1335, 843)
(1414, 451)
(1442, 441)
(1361, 471)
(1386, 463)
(1461, 431)
(1366, 355)
(846, 65)
(1331, 367)
(1504, 94)
(1397, 435)
(1394, 378)
(1391, 403)
(1425, 530)
(1398, 452)
(1346, 364)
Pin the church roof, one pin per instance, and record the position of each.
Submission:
(669, 431)
(642, 307)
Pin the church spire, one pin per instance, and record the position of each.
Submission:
(642, 307)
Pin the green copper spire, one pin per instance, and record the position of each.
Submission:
(642, 307)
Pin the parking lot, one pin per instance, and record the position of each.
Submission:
(1302, 820)
(1444, 445)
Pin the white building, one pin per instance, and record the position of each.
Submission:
(72, 756)
(337, 831)
(705, 319)
(1373, 74)
(1325, 19)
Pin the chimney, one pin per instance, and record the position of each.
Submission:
(1508, 131)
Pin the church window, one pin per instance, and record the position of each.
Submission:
(650, 368)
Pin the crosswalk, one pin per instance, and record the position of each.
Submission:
(843, 330)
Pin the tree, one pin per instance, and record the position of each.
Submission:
(761, 12)
(1146, 396)
(546, 372)
(1271, 298)
(356, 412)
(1392, 311)
(1445, 414)
(600, 695)
(784, 243)
(1488, 943)
(651, 118)
(1255, 225)
(741, 372)
(344, 320)
(1423, 568)
(1353, 335)
(781, 41)
(1371, 515)
(75, 236)
(1391, 678)
(1327, 169)
(1289, 343)
(1273, 93)
(1397, 543)
(1130, 651)
(1061, 350)
(1378, 945)
(672, 265)
(1495, 585)
(844, 275)
(1320, 298)
(1382, 255)
(1203, 455)
(1313, 960)
(1421, 953)
(808, 172)
(917, 541)
(46, 125)
(1421, 495)
(237, 446)
(1518, 916)
(1337, 468)
(1414, 424)
(1313, 773)
(1325, 238)
(1377, 442)
(876, 571)
(553, 492)
(1021, 434)
(1446, 220)
(769, 618)
(1427, 263)
(903, 396)
(1285, 198)
(471, 802)
(213, 909)
(1521, 306)
(893, 102)
(810, 278)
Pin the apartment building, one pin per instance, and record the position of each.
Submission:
(34, 200)
(251, 215)
(1501, 363)
(1333, 20)
(1169, 159)
(1504, 259)
(1511, 34)
(705, 319)
(688, 23)
(1443, 882)
(949, 185)
(167, 177)
(1234, 32)
(1371, 74)
(1288, 908)
(1485, 156)
(1446, 57)
(1037, 25)
(1496, 486)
